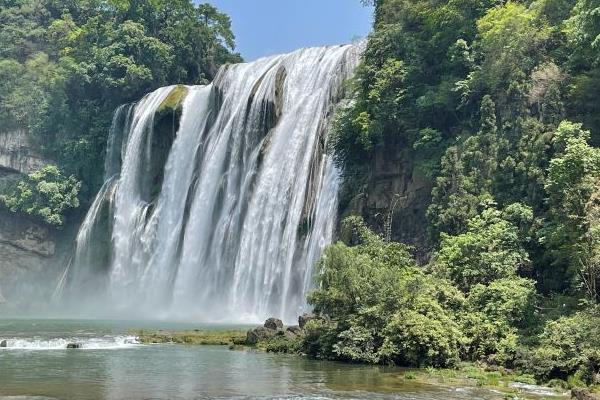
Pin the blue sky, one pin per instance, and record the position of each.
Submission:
(266, 27)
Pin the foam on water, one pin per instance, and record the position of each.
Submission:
(86, 343)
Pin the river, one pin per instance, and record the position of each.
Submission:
(112, 365)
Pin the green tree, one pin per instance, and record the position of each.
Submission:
(490, 249)
(46, 194)
(573, 176)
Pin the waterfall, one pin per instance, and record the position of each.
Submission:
(225, 218)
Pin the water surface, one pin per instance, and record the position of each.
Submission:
(112, 365)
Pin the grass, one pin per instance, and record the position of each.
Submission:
(194, 337)
(470, 374)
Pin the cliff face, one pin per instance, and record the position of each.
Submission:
(29, 258)
(18, 154)
(395, 199)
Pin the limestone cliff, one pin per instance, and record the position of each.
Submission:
(29, 256)
(18, 154)
(395, 197)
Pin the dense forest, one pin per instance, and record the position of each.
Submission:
(497, 102)
(497, 105)
(65, 66)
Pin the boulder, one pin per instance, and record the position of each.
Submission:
(273, 323)
(255, 335)
(295, 329)
(583, 394)
(304, 318)
(292, 332)
(3, 343)
(73, 346)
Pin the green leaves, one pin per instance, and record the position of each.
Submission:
(46, 194)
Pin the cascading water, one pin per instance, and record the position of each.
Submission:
(239, 212)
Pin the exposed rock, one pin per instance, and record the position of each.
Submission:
(32, 257)
(273, 323)
(73, 346)
(294, 329)
(304, 318)
(396, 198)
(583, 394)
(3, 343)
(17, 153)
(255, 335)
(25, 234)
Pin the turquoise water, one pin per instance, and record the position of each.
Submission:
(111, 365)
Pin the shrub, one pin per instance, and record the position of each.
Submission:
(568, 346)
(46, 194)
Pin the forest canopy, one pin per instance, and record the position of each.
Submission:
(66, 65)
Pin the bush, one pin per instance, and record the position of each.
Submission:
(489, 250)
(46, 194)
(380, 307)
(568, 346)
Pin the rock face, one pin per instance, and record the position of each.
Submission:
(304, 318)
(17, 153)
(3, 343)
(73, 346)
(396, 197)
(29, 259)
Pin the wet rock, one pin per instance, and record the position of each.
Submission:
(73, 346)
(304, 318)
(583, 394)
(3, 343)
(255, 335)
(273, 323)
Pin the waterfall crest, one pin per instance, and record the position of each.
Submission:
(228, 223)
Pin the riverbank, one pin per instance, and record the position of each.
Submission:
(192, 337)
(507, 384)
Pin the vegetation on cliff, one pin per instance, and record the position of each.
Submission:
(66, 66)
(46, 194)
(495, 101)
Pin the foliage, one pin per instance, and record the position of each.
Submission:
(380, 307)
(65, 66)
(495, 104)
(568, 346)
(572, 185)
(489, 250)
(46, 194)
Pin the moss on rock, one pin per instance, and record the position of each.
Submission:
(174, 101)
(195, 337)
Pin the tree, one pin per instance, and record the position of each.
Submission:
(490, 249)
(466, 177)
(380, 307)
(46, 194)
(572, 184)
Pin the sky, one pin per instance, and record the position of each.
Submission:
(267, 27)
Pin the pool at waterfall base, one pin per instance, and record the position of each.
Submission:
(112, 364)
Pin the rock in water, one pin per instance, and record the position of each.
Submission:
(73, 346)
(257, 334)
(3, 343)
(273, 323)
